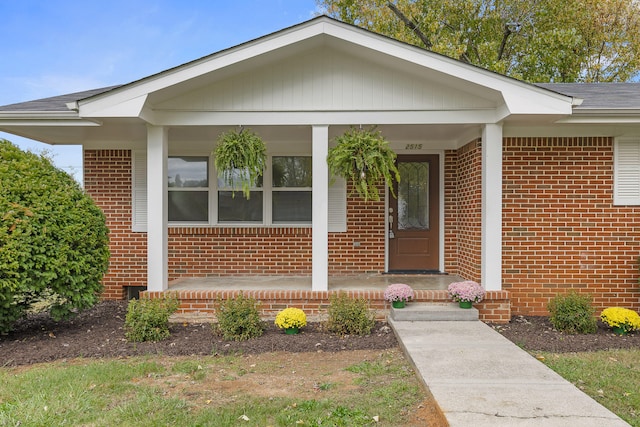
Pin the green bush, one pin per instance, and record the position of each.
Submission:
(238, 319)
(53, 239)
(349, 316)
(148, 319)
(573, 313)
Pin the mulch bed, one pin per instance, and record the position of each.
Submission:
(536, 333)
(99, 333)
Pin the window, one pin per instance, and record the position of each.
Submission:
(233, 206)
(291, 194)
(188, 197)
(285, 195)
(626, 186)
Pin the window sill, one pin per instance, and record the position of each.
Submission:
(226, 230)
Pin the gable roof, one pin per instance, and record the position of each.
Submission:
(163, 98)
(54, 103)
(603, 96)
(322, 31)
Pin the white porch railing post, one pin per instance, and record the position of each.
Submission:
(492, 207)
(320, 206)
(157, 233)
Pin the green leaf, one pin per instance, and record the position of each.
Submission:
(240, 159)
(364, 158)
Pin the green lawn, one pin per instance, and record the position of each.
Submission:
(610, 377)
(182, 391)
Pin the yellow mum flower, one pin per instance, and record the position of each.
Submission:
(618, 317)
(291, 318)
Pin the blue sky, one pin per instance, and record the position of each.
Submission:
(54, 47)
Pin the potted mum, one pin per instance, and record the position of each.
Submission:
(398, 294)
(291, 320)
(466, 293)
(621, 320)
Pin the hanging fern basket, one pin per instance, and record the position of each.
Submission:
(364, 158)
(240, 158)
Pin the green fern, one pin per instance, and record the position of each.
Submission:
(240, 158)
(364, 158)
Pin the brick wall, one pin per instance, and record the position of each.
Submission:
(245, 251)
(361, 249)
(200, 305)
(239, 251)
(107, 179)
(561, 230)
(463, 210)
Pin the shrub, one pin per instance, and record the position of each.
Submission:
(238, 319)
(573, 313)
(349, 316)
(53, 239)
(148, 319)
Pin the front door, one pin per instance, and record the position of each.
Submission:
(414, 216)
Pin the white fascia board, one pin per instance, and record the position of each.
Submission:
(40, 115)
(45, 119)
(522, 101)
(603, 116)
(569, 130)
(255, 118)
(128, 108)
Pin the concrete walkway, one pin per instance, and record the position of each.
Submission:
(479, 378)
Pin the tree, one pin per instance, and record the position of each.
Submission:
(53, 239)
(535, 40)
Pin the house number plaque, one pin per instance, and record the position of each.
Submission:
(413, 147)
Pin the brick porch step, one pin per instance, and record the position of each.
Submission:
(417, 311)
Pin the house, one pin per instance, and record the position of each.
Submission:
(530, 190)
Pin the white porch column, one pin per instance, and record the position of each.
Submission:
(320, 206)
(492, 207)
(157, 234)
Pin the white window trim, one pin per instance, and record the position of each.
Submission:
(186, 189)
(337, 197)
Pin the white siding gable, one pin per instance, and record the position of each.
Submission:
(326, 79)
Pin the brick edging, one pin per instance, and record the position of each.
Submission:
(495, 308)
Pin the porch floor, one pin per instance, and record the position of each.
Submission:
(360, 282)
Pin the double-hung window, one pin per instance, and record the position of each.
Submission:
(282, 195)
(195, 196)
(188, 197)
(233, 206)
(291, 189)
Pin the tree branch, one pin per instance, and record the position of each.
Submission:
(505, 35)
(412, 25)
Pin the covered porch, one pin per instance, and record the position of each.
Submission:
(375, 282)
(198, 295)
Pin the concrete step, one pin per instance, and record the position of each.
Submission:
(415, 311)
